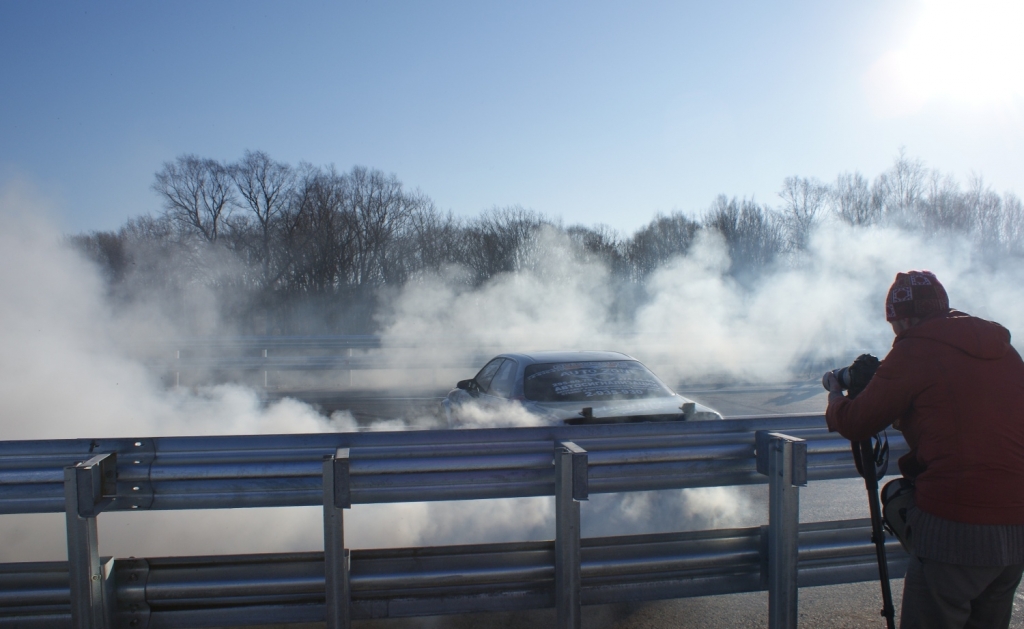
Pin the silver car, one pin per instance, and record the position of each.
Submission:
(572, 388)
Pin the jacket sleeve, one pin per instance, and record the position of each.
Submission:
(888, 397)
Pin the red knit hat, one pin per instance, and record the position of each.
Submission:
(915, 294)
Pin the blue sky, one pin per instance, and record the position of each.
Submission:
(595, 112)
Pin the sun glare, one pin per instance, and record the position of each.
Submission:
(969, 53)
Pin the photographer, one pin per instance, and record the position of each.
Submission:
(954, 386)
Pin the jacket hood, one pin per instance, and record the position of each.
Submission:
(976, 337)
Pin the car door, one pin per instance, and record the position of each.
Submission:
(486, 375)
(504, 380)
(476, 392)
(493, 385)
(497, 388)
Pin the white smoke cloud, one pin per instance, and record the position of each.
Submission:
(63, 370)
(66, 369)
(559, 302)
(668, 510)
(698, 322)
(827, 304)
(474, 415)
(65, 373)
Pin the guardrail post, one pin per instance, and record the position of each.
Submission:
(337, 497)
(784, 460)
(571, 486)
(88, 488)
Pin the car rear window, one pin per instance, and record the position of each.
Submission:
(591, 381)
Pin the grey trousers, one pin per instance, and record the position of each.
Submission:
(940, 595)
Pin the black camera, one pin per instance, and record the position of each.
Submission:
(854, 378)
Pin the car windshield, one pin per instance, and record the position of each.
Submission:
(591, 382)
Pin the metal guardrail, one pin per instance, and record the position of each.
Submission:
(86, 477)
(346, 352)
(426, 465)
(292, 353)
(221, 590)
(241, 343)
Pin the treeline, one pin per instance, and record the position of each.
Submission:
(307, 249)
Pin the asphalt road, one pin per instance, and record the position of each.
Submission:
(831, 607)
(368, 406)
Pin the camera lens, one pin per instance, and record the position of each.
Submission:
(843, 375)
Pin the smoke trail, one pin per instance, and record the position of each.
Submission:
(697, 320)
(473, 415)
(68, 370)
(65, 372)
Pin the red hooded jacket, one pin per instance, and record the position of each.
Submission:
(955, 387)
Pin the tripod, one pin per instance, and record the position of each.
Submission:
(872, 459)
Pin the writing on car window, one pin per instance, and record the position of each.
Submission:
(591, 381)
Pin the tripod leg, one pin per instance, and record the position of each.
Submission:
(862, 452)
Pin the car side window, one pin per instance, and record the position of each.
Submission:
(483, 379)
(504, 379)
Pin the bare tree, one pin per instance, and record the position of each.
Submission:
(986, 209)
(942, 207)
(197, 194)
(753, 233)
(851, 201)
(294, 243)
(265, 186)
(600, 243)
(803, 200)
(326, 232)
(382, 211)
(1013, 224)
(436, 239)
(109, 250)
(498, 241)
(659, 241)
(898, 190)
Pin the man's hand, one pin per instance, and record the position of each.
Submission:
(835, 390)
(830, 382)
